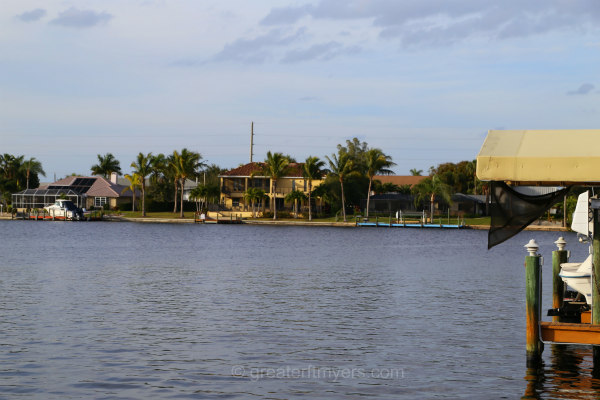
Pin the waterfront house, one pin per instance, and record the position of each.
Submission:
(235, 182)
(84, 191)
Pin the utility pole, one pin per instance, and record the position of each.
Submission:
(251, 140)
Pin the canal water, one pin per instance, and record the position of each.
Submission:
(138, 311)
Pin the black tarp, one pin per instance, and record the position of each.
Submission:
(512, 211)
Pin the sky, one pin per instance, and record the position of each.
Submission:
(423, 80)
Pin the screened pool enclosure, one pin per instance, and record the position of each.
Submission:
(39, 198)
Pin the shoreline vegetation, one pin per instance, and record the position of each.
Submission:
(329, 190)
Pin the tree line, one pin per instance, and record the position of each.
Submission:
(347, 178)
(18, 173)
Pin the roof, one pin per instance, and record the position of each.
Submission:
(543, 157)
(96, 186)
(246, 170)
(400, 179)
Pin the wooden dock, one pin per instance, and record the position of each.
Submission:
(562, 332)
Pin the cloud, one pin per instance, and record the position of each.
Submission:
(76, 18)
(584, 89)
(285, 15)
(323, 51)
(436, 22)
(258, 49)
(33, 15)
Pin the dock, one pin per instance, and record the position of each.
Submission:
(44, 216)
(394, 225)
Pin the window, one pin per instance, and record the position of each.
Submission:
(99, 201)
(239, 185)
(235, 202)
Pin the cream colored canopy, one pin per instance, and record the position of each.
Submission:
(542, 157)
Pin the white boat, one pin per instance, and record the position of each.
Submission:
(578, 276)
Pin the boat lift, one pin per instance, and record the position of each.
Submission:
(551, 158)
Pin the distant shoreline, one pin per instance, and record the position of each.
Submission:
(550, 228)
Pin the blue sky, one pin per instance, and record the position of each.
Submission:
(422, 79)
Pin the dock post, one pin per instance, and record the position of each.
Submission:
(376, 220)
(596, 288)
(533, 283)
(558, 287)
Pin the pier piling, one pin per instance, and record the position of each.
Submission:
(596, 287)
(558, 287)
(534, 345)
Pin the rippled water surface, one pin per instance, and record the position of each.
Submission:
(123, 310)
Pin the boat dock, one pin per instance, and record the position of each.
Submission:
(394, 225)
(45, 216)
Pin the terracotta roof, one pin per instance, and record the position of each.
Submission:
(400, 179)
(295, 170)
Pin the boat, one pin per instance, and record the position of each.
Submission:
(578, 276)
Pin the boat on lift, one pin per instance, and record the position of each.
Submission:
(578, 276)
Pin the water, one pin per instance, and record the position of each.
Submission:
(137, 311)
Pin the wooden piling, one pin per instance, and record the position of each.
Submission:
(558, 287)
(596, 289)
(534, 345)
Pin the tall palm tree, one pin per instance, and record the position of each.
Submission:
(276, 166)
(340, 166)
(134, 182)
(186, 165)
(107, 164)
(295, 196)
(142, 167)
(430, 187)
(32, 166)
(171, 172)
(311, 170)
(376, 163)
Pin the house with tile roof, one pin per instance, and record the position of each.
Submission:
(235, 182)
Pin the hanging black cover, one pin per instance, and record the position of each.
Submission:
(512, 211)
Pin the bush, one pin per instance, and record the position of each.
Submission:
(280, 214)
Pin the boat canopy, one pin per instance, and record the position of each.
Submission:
(541, 157)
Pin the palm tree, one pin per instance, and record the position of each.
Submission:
(340, 166)
(107, 164)
(430, 187)
(198, 194)
(134, 182)
(294, 196)
(254, 194)
(32, 166)
(276, 166)
(142, 167)
(311, 170)
(416, 172)
(171, 172)
(185, 165)
(376, 163)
